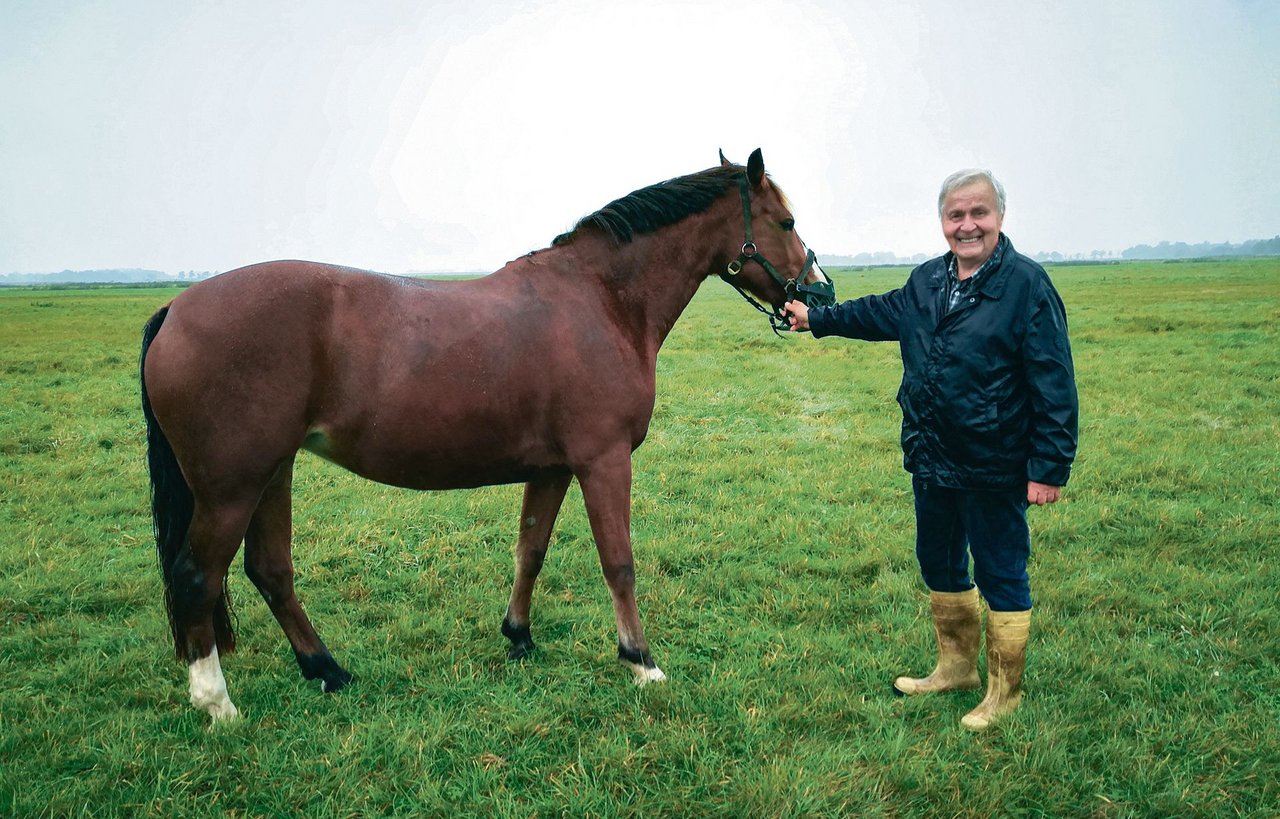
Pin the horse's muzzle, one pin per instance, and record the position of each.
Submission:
(821, 292)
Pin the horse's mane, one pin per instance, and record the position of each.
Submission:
(656, 206)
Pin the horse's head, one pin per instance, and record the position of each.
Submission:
(774, 265)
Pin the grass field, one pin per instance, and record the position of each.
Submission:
(776, 576)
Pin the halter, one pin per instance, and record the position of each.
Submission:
(821, 293)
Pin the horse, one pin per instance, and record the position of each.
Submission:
(539, 373)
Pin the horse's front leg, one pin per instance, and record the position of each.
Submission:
(606, 490)
(542, 499)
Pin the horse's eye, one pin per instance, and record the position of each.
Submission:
(788, 224)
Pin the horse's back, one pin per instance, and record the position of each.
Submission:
(248, 294)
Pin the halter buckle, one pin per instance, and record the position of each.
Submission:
(735, 267)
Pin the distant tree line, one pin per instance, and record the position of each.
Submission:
(880, 258)
(114, 276)
(1182, 250)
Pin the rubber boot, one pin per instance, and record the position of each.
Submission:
(1006, 658)
(958, 628)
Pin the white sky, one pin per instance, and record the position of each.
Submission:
(434, 135)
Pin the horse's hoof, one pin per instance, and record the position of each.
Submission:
(641, 664)
(223, 713)
(324, 668)
(521, 640)
(519, 651)
(336, 681)
(645, 675)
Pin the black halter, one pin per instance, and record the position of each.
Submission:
(819, 293)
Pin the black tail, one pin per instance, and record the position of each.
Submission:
(172, 506)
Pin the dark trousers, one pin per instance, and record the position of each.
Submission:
(951, 524)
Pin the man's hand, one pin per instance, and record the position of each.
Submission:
(1040, 494)
(798, 313)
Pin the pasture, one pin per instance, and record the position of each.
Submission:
(776, 577)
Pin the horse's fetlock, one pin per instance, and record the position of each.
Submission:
(635, 656)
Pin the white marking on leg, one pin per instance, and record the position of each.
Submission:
(209, 688)
(644, 674)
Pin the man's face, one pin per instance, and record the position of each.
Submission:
(971, 222)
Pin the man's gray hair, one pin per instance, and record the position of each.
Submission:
(968, 176)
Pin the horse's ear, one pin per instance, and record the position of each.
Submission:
(755, 168)
(724, 163)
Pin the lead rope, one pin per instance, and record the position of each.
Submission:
(776, 317)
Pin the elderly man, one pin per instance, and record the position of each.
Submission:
(989, 425)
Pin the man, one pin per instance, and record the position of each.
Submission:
(989, 425)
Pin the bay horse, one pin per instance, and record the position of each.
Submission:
(538, 373)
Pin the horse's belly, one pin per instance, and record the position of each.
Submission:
(440, 467)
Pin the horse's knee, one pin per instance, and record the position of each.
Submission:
(619, 575)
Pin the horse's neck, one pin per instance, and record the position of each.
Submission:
(656, 275)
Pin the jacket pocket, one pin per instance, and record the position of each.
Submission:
(969, 415)
(910, 426)
(971, 435)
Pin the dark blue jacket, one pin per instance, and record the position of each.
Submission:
(988, 391)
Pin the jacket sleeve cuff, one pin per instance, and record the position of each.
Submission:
(1048, 473)
(818, 321)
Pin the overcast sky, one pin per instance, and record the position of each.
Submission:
(422, 136)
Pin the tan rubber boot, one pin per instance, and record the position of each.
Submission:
(1006, 658)
(958, 628)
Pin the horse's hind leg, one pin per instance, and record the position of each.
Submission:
(269, 564)
(200, 609)
(542, 501)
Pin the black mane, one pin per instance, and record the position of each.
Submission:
(656, 206)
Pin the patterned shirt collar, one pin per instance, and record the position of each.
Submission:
(992, 261)
(957, 289)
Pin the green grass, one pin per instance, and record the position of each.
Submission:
(777, 582)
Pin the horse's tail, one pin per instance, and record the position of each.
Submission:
(172, 506)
